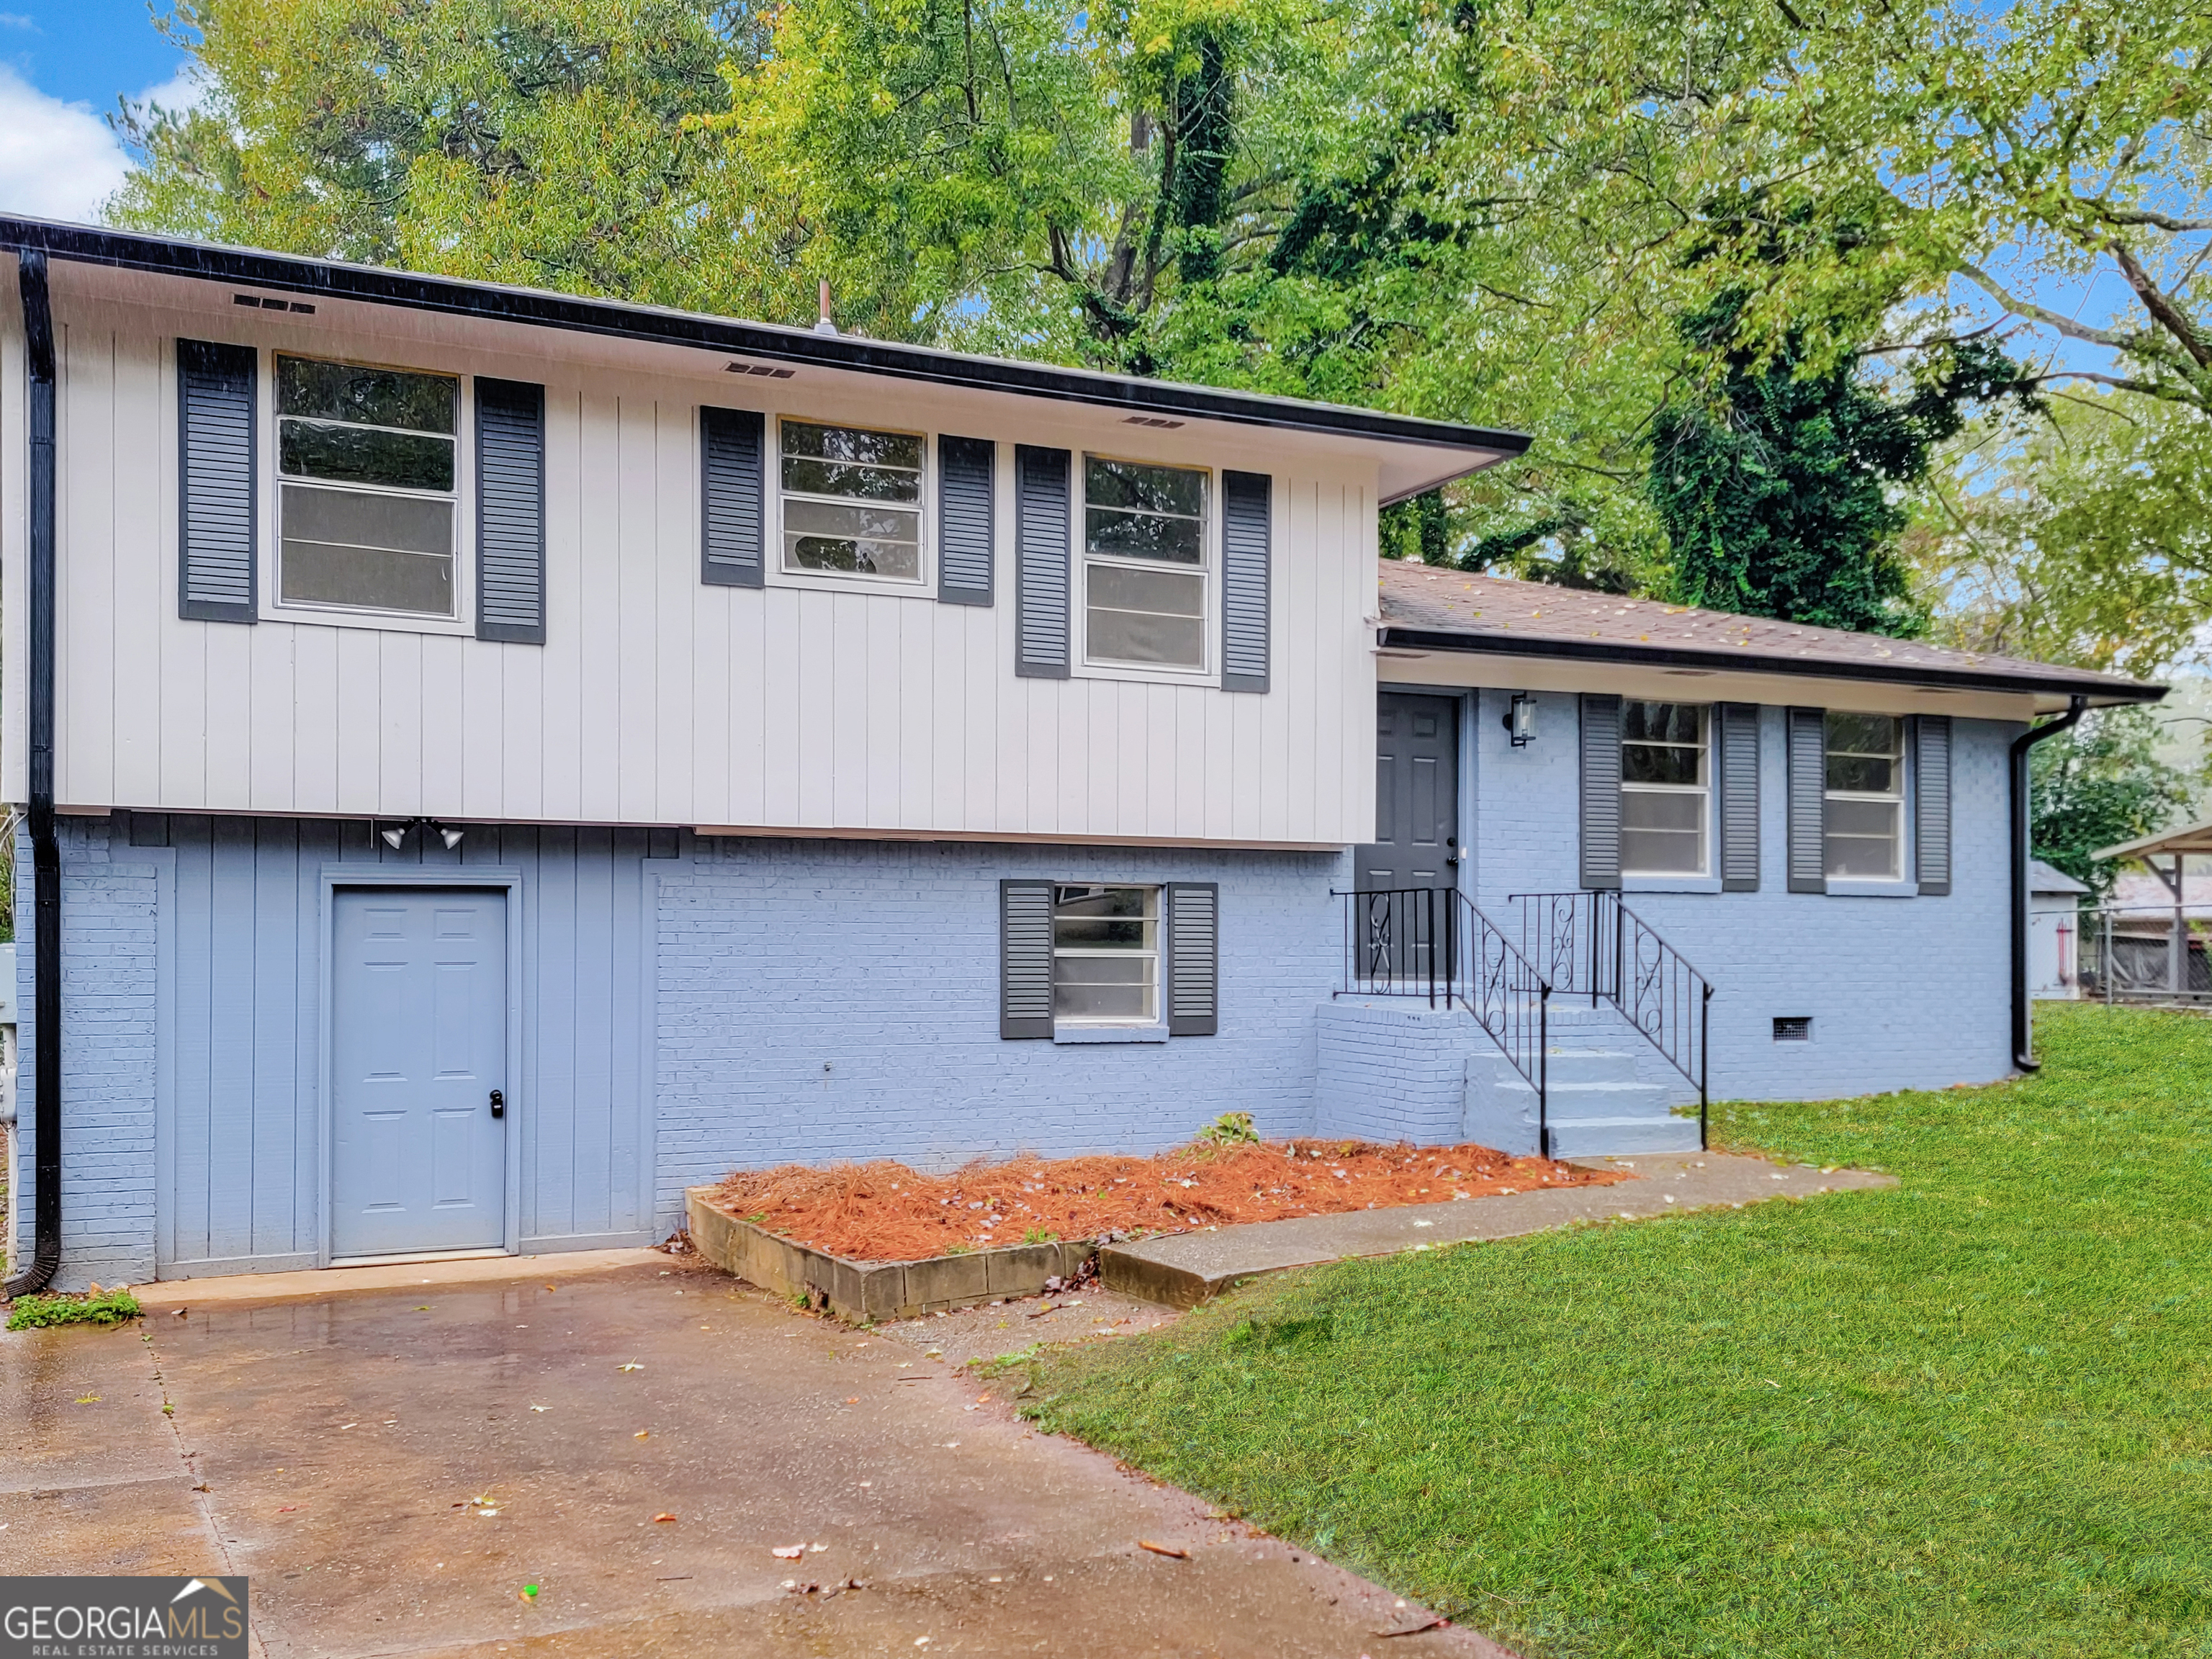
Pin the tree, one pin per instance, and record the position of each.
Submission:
(1776, 487)
(2097, 785)
(539, 142)
(2084, 536)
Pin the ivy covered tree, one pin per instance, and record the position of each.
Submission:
(1778, 486)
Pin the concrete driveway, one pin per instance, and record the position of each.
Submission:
(394, 1468)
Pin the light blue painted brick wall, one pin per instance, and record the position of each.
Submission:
(822, 1000)
(1904, 993)
(109, 950)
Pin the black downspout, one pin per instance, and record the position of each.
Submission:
(45, 852)
(2076, 706)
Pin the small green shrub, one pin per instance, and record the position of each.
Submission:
(1231, 1129)
(1040, 1236)
(108, 1308)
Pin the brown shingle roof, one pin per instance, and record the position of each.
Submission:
(1454, 611)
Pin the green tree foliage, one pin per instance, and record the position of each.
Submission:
(2084, 536)
(539, 142)
(1777, 486)
(2097, 785)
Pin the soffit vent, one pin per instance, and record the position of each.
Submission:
(1152, 420)
(255, 299)
(766, 371)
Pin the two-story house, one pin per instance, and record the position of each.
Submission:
(492, 758)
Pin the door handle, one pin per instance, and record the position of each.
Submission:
(498, 1104)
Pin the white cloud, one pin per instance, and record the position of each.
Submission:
(61, 161)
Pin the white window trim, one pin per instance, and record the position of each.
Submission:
(1081, 666)
(1904, 883)
(923, 585)
(1098, 1028)
(1701, 879)
(462, 624)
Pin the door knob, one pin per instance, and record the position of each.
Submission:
(498, 1104)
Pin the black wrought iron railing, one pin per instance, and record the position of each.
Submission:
(1434, 943)
(1591, 944)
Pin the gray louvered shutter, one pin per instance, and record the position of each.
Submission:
(1931, 797)
(217, 466)
(510, 511)
(1245, 511)
(1041, 560)
(733, 497)
(1194, 958)
(1025, 959)
(1601, 791)
(965, 514)
(1736, 747)
(1809, 796)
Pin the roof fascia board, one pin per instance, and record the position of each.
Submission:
(2099, 692)
(214, 263)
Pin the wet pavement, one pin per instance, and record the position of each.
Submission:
(396, 1469)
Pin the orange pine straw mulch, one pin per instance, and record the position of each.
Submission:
(887, 1211)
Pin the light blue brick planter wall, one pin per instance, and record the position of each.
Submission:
(840, 999)
(1904, 993)
(1395, 1069)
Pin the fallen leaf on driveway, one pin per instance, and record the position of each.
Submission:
(642, 1434)
(630, 1365)
(789, 1552)
(1169, 1550)
(540, 1408)
(88, 1399)
(664, 1515)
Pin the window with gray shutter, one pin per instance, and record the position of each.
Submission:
(1041, 563)
(510, 511)
(1738, 751)
(1601, 791)
(964, 519)
(1025, 959)
(732, 493)
(1931, 797)
(1809, 786)
(1246, 538)
(1194, 958)
(216, 462)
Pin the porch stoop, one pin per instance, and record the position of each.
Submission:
(1610, 1093)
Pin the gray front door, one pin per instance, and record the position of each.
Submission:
(1416, 794)
(418, 1044)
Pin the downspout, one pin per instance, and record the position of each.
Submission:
(45, 852)
(2076, 706)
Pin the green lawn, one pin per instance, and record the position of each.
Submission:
(1972, 1415)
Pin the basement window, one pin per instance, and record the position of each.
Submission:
(366, 482)
(1105, 955)
(1793, 1028)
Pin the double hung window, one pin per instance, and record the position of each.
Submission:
(852, 500)
(366, 487)
(1863, 812)
(1105, 954)
(1665, 788)
(1144, 564)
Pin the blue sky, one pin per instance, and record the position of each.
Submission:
(62, 67)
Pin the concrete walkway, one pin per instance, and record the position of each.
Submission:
(394, 1468)
(1187, 1268)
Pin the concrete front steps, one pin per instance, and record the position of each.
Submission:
(1604, 1100)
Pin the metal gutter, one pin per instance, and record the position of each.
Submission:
(1748, 662)
(45, 851)
(375, 285)
(2023, 1059)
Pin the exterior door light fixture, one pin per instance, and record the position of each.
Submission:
(1520, 719)
(394, 835)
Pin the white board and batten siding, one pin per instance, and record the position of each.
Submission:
(658, 699)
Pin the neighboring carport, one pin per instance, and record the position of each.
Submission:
(2181, 978)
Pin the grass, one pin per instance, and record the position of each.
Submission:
(1972, 1415)
(29, 1313)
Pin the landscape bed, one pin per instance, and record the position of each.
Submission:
(889, 1211)
(884, 1240)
